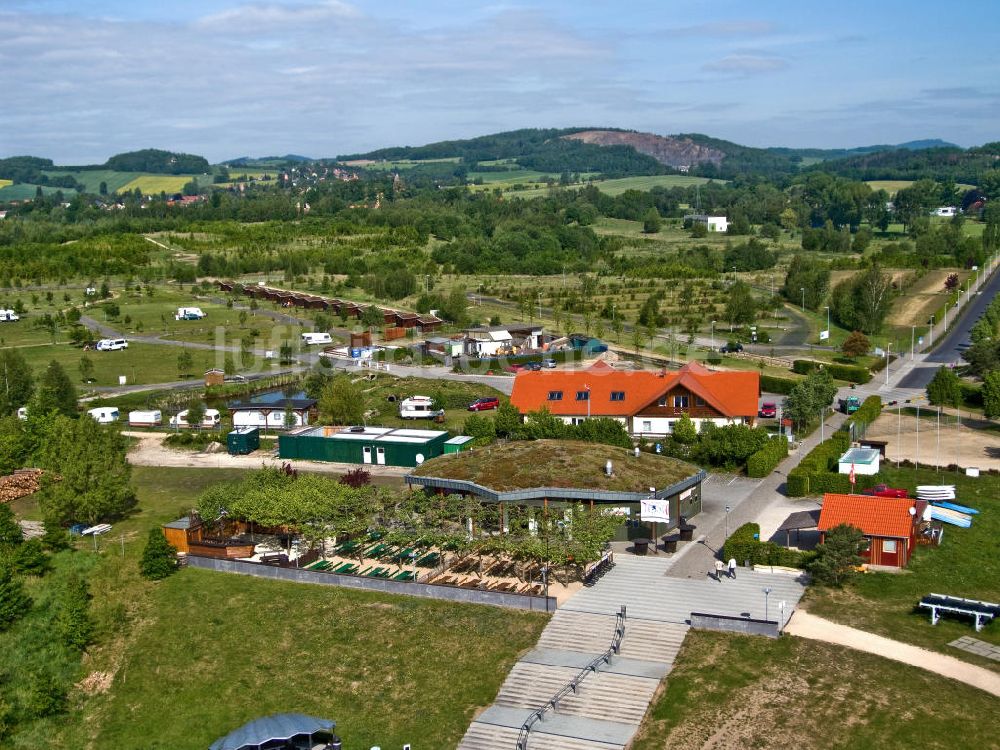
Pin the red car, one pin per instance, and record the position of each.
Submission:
(485, 404)
(884, 490)
(768, 410)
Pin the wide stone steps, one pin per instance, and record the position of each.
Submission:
(604, 696)
(591, 633)
(492, 737)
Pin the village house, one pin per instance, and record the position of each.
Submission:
(648, 402)
(889, 524)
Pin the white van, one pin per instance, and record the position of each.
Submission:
(9, 316)
(316, 338)
(104, 414)
(22, 413)
(189, 313)
(152, 418)
(418, 407)
(211, 419)
(111, 345)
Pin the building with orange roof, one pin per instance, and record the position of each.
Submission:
(889, 524)
(648, 402)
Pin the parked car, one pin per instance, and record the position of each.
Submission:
(768, 410)
(730, 348)
(514, 368)
(884, 490)
(533, 366)
(549, 364)
(485, 404)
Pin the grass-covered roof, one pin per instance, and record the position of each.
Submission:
(571, 464)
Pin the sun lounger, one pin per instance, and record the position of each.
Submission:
(429, 560)
(406, 575)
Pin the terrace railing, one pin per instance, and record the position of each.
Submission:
(571, 687)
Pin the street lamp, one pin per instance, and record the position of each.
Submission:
(803, 290)
(587, 387)
(913, 342)
(539, 305)
(888, 345)
(932, 331)
(767, 593)
(827, 320)
(728, 508)
(713, 335)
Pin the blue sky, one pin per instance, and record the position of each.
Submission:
(226, 78)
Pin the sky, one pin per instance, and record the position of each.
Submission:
(85, 79)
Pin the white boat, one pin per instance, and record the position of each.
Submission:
(101, 528)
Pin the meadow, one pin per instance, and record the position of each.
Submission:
(154, 184)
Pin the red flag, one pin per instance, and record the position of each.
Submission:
(851, 475)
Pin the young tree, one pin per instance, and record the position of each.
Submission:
(184, 363)
(14, 601)
(507, 423)
(685, 431)
(29, 558)
(945, 389)
(811, 274)
(991, 394)
(86, 368)
(741, 307)
(11, 534)
(56, 538)
(873, 292)
(159, 558)
(809, 397)
(838, 556)
(652, 222)
(195, 412)
(16, 381)
(55, 392)
(73, 624)
(856, 345)
(952, 282)
(341, 401)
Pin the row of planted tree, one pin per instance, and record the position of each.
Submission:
(324, 512)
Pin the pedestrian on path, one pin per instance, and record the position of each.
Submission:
(719, 567)
(732, 568)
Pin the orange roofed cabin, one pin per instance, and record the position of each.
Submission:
(649, 403)
(888, 523)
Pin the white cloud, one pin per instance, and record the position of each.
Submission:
(748, 64)
(264, 16)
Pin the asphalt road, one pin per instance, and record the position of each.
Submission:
(951, 346)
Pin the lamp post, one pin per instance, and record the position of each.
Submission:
(932, 332)
(913, 342)
(728, 508)
(713, 335)
(539, 305)
(828, 320)
(587, 387)
(767, 593)
(888, 345)
(803, 290)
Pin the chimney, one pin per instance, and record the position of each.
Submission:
(608, 468)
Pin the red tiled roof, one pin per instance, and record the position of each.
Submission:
(875, 516)
(733, 394)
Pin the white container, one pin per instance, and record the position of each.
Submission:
(112, 345)
(104, 414)
(316, 338)
(153, 418)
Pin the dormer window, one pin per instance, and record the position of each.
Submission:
(555, 395)
(617, 395)
(583, 395)
(681, 402)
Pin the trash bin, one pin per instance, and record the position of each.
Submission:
(670, 543)
(640, 546)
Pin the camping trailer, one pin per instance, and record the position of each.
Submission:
(104, 414)
(418, 407)
(316, 338)
(189, 313)
(211, 419)
(152, 418)
(9, 316)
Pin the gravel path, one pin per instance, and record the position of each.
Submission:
(816, 628)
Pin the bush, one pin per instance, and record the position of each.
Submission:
(850, 373)
(358, 477)
(159, 558)
(773, 384)
(764, 461)
(742, 546)
(797, 484)
(870, 410)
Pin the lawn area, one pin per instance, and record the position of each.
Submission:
(965, 564)
(730, 691)
(154, 184)
(91, 179)
(189, 659)
(620, 185)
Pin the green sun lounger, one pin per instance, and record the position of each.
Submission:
(429, 560)
(406, 575)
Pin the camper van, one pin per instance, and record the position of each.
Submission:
(111, 345)
(418, 407)
(152, 418)
(22, 413)
(104, 414)
(189, 313)
(211, 419)
(316, 338)
(9, 316)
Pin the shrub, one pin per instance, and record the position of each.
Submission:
(14, 602)
(764, 461)
(850, 373)
(773, 384)
(797, 484)
(742, 546)
(73, 624)
(159, 558)
(358, 477)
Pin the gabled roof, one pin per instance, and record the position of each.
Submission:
(731, 393)
(875, 516)
(277, 727)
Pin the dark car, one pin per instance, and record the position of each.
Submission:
(485, 404)
(730, 348)
(768, 410)
(533, 366)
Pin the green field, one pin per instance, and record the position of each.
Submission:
(619, 186)
(23, 191)
(893, 186)
(152, 184)
(964, 565)
(92, 178)
(730, 691)
(191, 658)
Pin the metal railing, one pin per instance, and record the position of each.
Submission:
(571, 687)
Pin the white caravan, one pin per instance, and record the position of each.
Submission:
(104, 414)
(316, 338)
(418, 407)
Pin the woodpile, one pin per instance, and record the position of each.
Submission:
(22, 482)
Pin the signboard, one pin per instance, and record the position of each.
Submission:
(685, 494)
(626, 511)
(654, 510)
(824, 335)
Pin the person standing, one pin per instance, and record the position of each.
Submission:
(732, 568)
(719, 567)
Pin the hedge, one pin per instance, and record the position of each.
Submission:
(850, 373)
(742, 546)
(764, 461)
(870, 410)
(773, 384)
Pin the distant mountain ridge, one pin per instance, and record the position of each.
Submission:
(669, 150)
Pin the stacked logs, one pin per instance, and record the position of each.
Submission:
(19, 484)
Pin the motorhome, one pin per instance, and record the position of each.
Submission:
(111, 345)
(211, 419)
(189, 313)
(151, 418)
(418, 407)
(104, 414)
(9, 316)
(22, 413)
(316, 338)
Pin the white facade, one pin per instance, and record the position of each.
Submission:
(712, 223)
(274, 420)
(490, 345)
(861, 460)
(946, 211)
(665, 425)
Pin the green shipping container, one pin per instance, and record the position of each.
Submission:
(377, 446)
(458, 444)
(243, 440)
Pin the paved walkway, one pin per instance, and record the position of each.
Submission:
(976, 646)
(816, 628)
(606, 711)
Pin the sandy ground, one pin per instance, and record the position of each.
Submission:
(921, 299)
(816, 628)
(967, 446)
(150, 451)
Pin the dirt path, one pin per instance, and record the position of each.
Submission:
(151, 451)
(919, 440)
(816, 628)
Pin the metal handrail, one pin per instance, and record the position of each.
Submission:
(553, 702)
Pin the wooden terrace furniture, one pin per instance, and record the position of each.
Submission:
(981, 612)
(670, 542)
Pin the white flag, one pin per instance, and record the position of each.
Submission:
(655, 510)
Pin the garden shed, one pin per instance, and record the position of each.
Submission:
(860, 460)
(386, 446)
